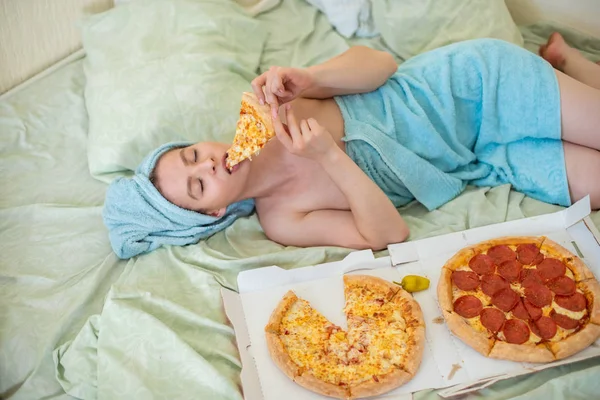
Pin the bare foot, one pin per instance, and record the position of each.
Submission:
(556, 51)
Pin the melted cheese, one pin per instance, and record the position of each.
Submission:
(378, 339)
(569, 313)
(250, 137)
(485, 299)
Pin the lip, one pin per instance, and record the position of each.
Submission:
(224, 163)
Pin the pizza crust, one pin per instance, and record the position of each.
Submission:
(415, 355)
(465, 332)
(576, 342)
(580, 270)
(263, 111)
(309, 381)
(279, 312)
(461, 258)
(386, 383)
(410, 307)
(523, 353)
(280, 356)
(591, 290)
(444, 290)
(375, 284)
(509, 241)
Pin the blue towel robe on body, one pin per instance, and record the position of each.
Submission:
(482, 112)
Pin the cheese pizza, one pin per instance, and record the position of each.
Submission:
(381, 350)
(254, 129)
(521, 299)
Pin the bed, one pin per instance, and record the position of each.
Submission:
(77, 322)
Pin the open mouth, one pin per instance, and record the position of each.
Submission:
(224, 162)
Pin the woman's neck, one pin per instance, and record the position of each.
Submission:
(269, 171)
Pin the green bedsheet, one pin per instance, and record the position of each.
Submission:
(77, 322)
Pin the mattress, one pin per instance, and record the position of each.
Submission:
(76, 322)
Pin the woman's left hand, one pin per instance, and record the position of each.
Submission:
(306, 138)
(280, 85)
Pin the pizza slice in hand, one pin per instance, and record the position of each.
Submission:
(254, 129)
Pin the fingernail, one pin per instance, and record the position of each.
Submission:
(288, 106)
(262, 102)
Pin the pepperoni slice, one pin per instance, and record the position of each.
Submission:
(468, 306)
(505, 299)
(545, 328)
(563, 321)
(515, 331)
(551, 268)
(465, 280)
(482, 264)
(520, 311)
(510, 270)
(490, 284)
(501, 253)
(575, 302)
(538, 259)
(529, 276)
(492, 319)
(527, 253)
(563, 285)
(534, 312)
(538, 295)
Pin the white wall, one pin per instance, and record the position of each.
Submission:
(583, 15)
(35, 34)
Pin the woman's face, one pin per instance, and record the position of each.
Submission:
(195, 178)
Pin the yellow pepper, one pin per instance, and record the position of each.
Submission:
(414, 283)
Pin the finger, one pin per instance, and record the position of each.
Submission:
(257, 87)
(276, 85)
(293, 126)
(275, 110)
(282, 134)
(312, 123)
(270, 97)
(304, 128)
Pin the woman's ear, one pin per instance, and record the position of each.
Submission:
(218, 213)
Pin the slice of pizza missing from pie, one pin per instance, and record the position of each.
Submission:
(254, 129)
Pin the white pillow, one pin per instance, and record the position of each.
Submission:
(165, 70)
(410, 27)
(349, 17)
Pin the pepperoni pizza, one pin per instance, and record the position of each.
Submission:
(521, 299)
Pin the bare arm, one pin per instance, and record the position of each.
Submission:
(358, 70)
(372, 222)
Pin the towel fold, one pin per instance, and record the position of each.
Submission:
(140, 219)
(482, 112)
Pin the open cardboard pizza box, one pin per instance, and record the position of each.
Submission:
(447, 362)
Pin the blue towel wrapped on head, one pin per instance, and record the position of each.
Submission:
(482, 112)
(140, 219)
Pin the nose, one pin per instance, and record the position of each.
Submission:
(208, 165)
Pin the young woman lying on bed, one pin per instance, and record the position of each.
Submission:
(358, 136)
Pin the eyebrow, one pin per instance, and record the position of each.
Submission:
(183, 159)
(189, 179)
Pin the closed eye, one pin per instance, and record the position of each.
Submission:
(201, 185)
(195, 156)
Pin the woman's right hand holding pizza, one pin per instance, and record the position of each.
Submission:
(280, 85)
(306, 138)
